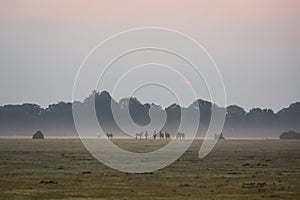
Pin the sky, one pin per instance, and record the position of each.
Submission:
(255, 44)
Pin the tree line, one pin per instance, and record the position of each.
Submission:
(57, 119)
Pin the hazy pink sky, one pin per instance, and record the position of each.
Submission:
(255, 43)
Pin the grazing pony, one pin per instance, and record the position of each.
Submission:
(139, 135)
(180, 136)
(109, 135)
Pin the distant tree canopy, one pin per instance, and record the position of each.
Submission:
(57, 119)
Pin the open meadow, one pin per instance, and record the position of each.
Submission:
(235, 169)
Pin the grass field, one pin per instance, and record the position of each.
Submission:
(235, 169)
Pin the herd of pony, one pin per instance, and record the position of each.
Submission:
(160, 135)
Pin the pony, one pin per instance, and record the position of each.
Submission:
(109, 135)
(154, 135)
(180, 136)
(139, 135)
(167, 135)
(161, 135)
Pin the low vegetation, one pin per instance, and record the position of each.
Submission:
(290, 135)
(235, 169)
